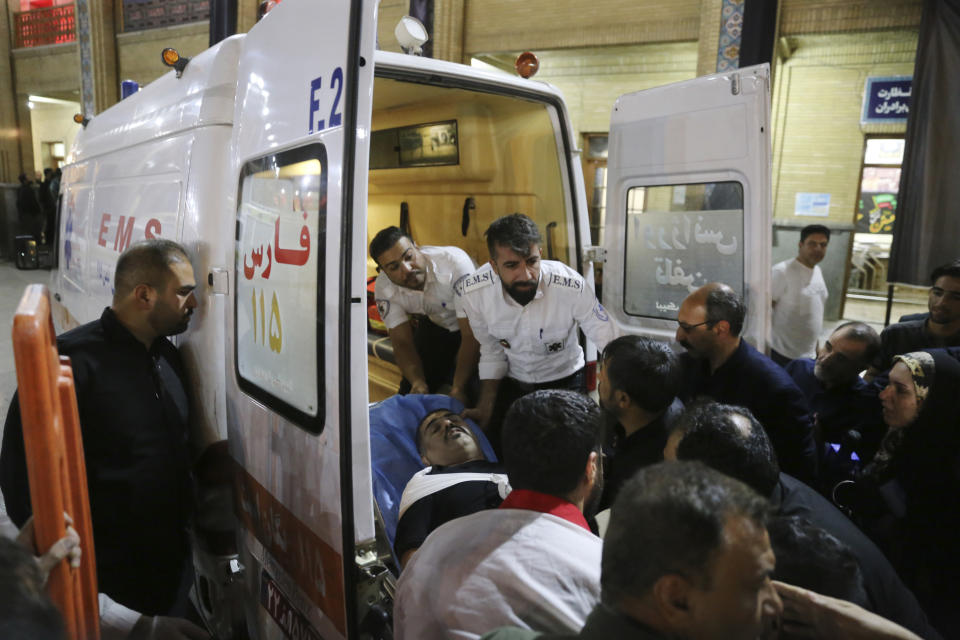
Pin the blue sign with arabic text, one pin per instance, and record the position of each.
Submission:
(886, 99)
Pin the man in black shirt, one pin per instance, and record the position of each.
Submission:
(840, 399)
(730, 440)
(134, 415)
(722, 366)
(637, 384)
(940, 329)
(458, 482)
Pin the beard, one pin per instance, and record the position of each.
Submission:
(182, 326)
(818, 372)
(169, 327)
(523, 292)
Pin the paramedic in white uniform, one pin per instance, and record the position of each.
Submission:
(524, 312)
(415, 288)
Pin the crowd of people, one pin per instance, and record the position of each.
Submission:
(37, 204)
(712, 492)
(840, 462)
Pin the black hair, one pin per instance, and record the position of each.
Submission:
(951, 269)
(725, 304)
(646, 370)
(26, 611)
(811, 229)
(146, 262)
(864, 334)
(547, 438)
(515, 231)
(384, 240)
(811, 558)
(711, 436)
(670, 519)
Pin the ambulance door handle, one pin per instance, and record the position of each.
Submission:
(219, 281)
(468, 204)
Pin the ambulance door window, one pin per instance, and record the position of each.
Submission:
(279, 271)
(678, 238)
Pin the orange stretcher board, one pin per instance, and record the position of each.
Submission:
(55, 462)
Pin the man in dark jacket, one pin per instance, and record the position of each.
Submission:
(722, 366)
(729, 439)
(637, 383)
(28, 208)
(134, 409)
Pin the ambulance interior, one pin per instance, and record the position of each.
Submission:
(444, 163)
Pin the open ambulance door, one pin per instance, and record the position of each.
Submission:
(688, 200)
(296, 384)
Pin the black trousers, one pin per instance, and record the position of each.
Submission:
(437, 349)
(511, 390)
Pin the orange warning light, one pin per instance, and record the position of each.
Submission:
(527, 64)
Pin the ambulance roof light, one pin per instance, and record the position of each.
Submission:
(80, 119)
(172, 58)
(527, 64)
(265, 7)
(411, 34)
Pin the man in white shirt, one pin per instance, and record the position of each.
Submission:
(533, 562)
(799, 293)
(415, 286)
(524, 312)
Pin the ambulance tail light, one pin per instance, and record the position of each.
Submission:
(591, 374)
(527, 64)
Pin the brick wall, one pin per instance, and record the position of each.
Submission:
(817, 136)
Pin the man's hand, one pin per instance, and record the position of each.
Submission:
(163, 628)
(66, 547)
(419, 387)
(458, 395)
(479, 414)
(810, 615)
(484, 410)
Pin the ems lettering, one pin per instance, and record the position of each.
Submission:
(153, 229)
(571, 283)
(123, 234)
(122, 239)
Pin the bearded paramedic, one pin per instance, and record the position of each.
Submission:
(524, 312)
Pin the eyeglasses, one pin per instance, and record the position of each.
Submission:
(687, 327)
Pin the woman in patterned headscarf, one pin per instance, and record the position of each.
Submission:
(916, 477)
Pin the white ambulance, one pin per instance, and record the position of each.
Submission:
(275, 157)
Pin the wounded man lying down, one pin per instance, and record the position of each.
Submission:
(458, 482)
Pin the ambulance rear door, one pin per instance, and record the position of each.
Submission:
(688, 200)
(296, 382)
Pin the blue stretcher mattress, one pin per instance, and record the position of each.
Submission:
(393, 448)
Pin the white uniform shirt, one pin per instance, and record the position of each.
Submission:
(799, 293)
(444, 266)
(495, 568)
(537, 342)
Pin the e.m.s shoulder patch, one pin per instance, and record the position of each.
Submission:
(473, 282)
(573, 282)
